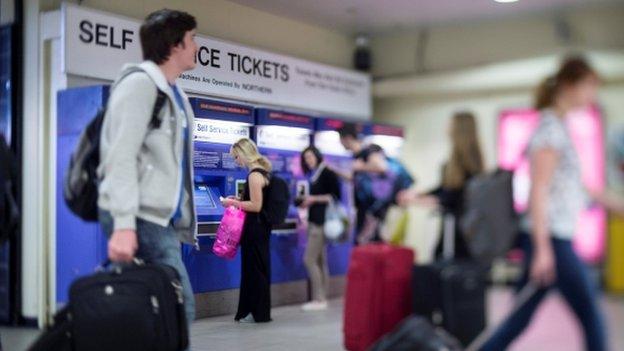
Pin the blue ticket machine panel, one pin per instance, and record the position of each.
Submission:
(80, 246)
(218, 125)
(281, 136)
(327, 140)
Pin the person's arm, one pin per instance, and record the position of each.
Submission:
(543, 163)
(375, 163)
(609, 201)
(346, 175)
(332, 191)
(256, 183)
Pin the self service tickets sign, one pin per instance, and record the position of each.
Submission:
(97, 44)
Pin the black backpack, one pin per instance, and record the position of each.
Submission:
(277, 199)
(80, 186)
(9, 211)
(489, 222)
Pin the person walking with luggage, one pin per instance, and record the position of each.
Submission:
(146, 177)
(254, 305)
(465, 162)
(557, 197)
(324, 188)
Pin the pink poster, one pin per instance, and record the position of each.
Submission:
(515, 129)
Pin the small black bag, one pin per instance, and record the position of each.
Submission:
(275, 206)
(137, 307)
(417, 334)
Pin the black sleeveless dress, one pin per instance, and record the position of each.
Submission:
(255, 288)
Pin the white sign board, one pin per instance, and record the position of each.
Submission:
(212, 131)
(282, 138)
(97, 44)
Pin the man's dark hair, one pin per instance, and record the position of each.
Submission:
(317, 154)
(348, 129)
(161, 31)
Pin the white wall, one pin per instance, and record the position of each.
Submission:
(458, 46)
(426, 119)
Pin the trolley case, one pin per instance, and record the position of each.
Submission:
(378, 294)
(451, 293)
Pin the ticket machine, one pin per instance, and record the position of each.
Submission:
(218, 125)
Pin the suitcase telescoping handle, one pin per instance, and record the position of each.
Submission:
(521, 298)
(448, 236)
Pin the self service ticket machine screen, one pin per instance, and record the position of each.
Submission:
(281, 136)
(218, 125)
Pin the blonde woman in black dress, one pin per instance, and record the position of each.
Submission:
(254, 304)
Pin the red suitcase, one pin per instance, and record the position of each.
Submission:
(378, 293)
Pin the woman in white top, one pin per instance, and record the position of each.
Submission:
(557, 197)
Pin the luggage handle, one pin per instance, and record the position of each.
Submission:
(118, 268)
(521, 298)
(448, 236)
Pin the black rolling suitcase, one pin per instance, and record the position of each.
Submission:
(135, 307)
(451, 293)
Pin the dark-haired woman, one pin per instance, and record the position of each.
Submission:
(324, 188)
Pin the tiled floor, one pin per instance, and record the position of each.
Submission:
(553, 329)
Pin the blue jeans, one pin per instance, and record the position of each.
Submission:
(159, 245)
(576, 288)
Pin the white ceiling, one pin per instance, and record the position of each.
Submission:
(375, 16)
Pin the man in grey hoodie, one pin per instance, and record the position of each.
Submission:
(146, 190)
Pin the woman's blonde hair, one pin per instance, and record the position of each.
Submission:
(466, 158)
(246, 148)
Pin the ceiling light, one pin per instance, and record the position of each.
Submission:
(505, 1)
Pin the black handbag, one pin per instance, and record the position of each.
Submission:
(134, 307)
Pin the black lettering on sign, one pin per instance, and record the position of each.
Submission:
(104, 35)
(85, 31)
(126, 37)
(233, 56)
(285, 75)
(246, 59)
(256, 67)
(100, 34)
(208, 57)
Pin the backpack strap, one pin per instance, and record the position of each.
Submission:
(160, 102)
(265, 173)
(161, 97)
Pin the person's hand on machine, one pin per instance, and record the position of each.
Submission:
(122, 245)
